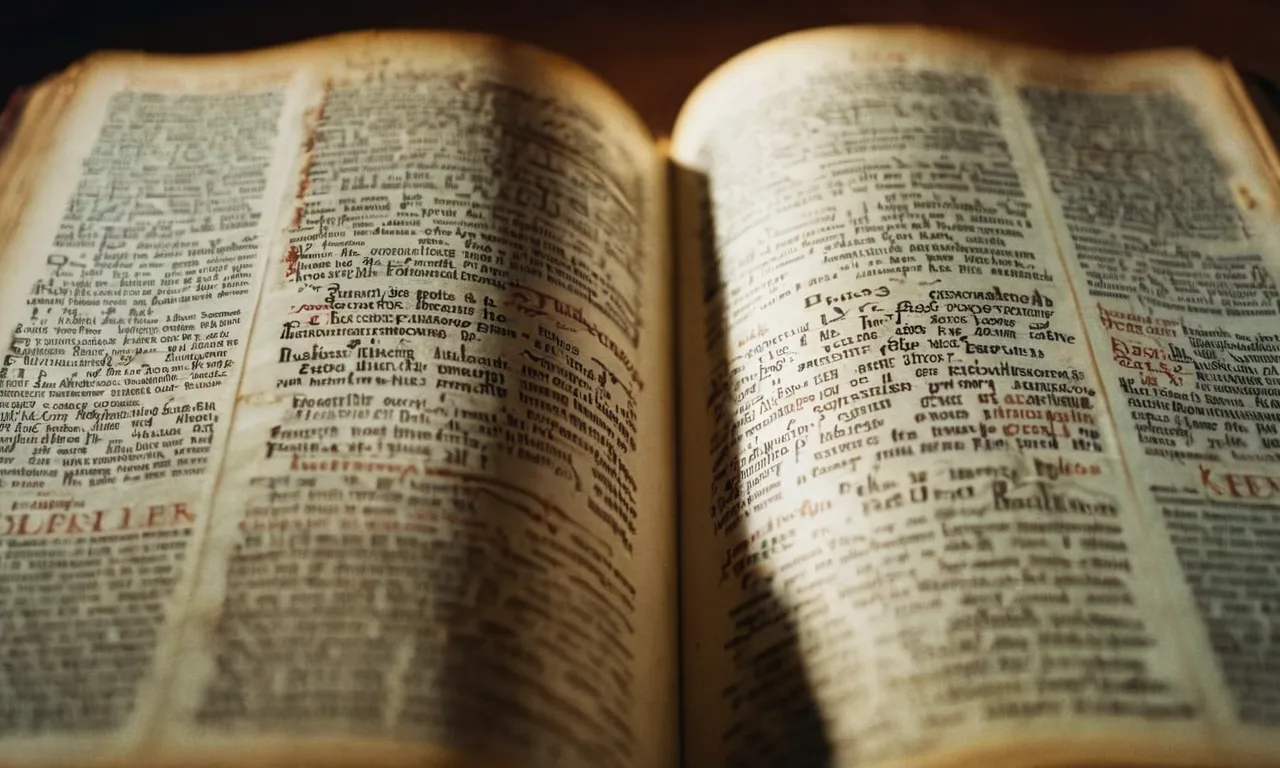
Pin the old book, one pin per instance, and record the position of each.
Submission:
(398, 399)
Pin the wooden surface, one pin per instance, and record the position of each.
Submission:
(653, 53)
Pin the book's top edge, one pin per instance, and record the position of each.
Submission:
(929, 39)
(372, 45)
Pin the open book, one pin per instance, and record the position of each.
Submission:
(399, 399)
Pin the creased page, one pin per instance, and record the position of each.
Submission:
(1168, 212)
(910, 533)
(128, 282)
(449, 523)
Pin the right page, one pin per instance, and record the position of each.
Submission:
(979, 357)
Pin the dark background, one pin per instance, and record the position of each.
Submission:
(653, 52)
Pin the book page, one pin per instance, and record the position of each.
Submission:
(425, 510)
(1165, 190)
(909, 530)
(449, 513)
(137, 218)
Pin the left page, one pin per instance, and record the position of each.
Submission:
(138, 211)
(439, 523)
